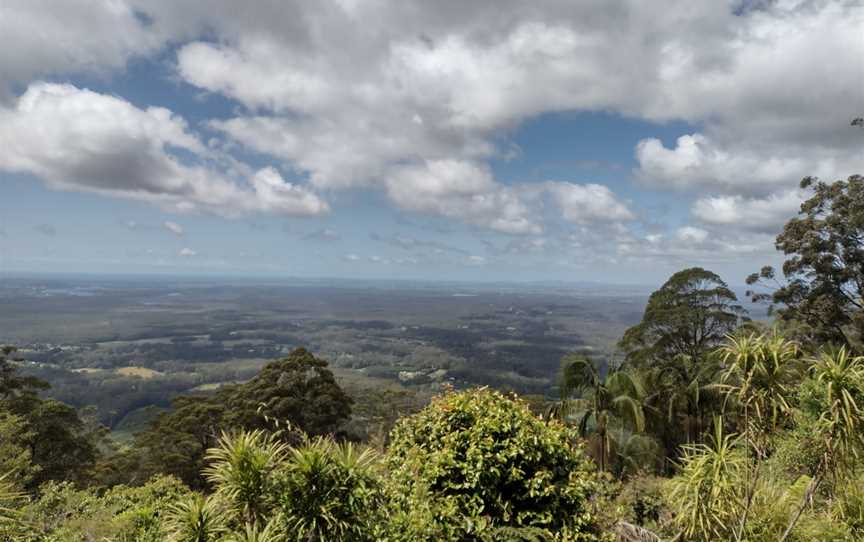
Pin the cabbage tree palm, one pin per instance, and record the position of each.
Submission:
(760, 373)
(618, 394)
(328, 491)
(707, 493)
(196, 519)
(835, 397)
(680, 401)
(241, 470)
(759, 377)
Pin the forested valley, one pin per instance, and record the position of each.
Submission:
(702, 424)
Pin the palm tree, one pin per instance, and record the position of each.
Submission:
(707, 492)
(679, 402)
(251, 532)
(329, 491)
(616, 395)
(691, 397)
(196, 519)
(760, 374)
(836, 400)
(241, 468)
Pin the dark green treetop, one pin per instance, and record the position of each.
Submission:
(689, 315)
(298, 389)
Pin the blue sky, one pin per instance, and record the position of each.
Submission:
(586, 141)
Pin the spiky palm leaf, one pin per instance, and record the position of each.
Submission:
(9, 496)
(842, 376)
(760, 375)
(253, 532)
(240, 468)
(707, 493)
(196, 519)
(328, 491)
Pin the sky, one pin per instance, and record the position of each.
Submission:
(609, 141)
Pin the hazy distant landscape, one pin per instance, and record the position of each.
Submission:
(123, 344)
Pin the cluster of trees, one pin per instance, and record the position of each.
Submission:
(709, 427)
(756, 432)
(474, 465)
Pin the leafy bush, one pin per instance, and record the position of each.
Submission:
(63, 513)
(641, 500)
(476, 461)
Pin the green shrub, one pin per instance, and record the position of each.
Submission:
(641, 500)
(63, 513)
(476, 461)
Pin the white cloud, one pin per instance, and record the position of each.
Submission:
(691, 235)
(758, 214)
(187, 252)
(435, 87)
(462, 190)
(351, 257)
(418, 98)
(588, 203)
(696, 161)
(41, 37)
(174, 228)
(76, 139)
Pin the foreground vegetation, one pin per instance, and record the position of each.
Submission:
(708, 427)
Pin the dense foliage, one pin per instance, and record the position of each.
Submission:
(474, 462)
(688, 316)
(824, 271)
(298, 389)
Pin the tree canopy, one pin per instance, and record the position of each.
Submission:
(60, 444)
(298, 390)
(689, 315)
(824, 269)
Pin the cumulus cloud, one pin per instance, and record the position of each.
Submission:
(462, 190)
(757, 214)
(187, 252)
(697, 161)
(691, 235)
(41, 37)
(588, 203)
(76, 139)
(417, 100)
(174, 228)
(770, 87)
